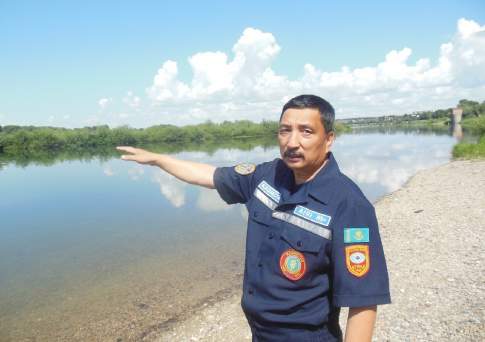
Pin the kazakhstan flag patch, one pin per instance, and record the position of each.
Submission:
(356, 235)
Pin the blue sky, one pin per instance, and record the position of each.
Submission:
(83, 63)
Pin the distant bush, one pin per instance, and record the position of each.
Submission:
(472, 151)
(474, 124)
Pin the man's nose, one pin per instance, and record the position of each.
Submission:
(293, 141)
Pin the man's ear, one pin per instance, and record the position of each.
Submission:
(330, 139)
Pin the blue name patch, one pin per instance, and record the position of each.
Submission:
(311, 215)
(355, 235)
(270, 191)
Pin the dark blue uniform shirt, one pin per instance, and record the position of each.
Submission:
(310, 249)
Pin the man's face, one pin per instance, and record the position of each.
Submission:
(302, 139)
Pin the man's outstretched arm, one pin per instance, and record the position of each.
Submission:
(187, 171)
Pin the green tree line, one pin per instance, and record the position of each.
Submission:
(25, 144)
(31, 139)
(441, 116)
(470, 109)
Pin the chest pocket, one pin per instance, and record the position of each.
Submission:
(260, 213)
(312, 248)
(302, 241)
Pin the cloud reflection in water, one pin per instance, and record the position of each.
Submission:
(378, 163)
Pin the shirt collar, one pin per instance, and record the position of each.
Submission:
(322, 187)
(313, 188)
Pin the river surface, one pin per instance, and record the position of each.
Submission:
(112, 250)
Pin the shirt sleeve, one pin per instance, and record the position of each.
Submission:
(232, 186)
(359, 271)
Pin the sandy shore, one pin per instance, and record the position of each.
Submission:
(432, 233)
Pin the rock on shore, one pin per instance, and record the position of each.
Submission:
(433, 234)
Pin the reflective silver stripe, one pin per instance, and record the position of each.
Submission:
(265, 199)
(311, 227)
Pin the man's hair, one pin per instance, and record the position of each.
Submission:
(327, 113)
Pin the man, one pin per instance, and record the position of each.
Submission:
(312, 244)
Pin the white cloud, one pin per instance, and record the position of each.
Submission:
(244, 85)
(132, 100)
(104, 102)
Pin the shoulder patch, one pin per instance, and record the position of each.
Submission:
(357, 259)
(245, 168)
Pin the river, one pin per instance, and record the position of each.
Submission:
(111, 250)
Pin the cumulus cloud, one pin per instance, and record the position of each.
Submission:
(246, 85)
(132, 100)
(104, 102)
(242, 84)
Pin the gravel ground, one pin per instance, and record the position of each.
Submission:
(431, 230)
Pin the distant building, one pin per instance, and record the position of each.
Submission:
(457, 114)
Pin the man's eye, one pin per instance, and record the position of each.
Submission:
(307, 131)
(284, 130)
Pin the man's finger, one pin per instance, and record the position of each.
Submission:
(129, 157)
(128, 149)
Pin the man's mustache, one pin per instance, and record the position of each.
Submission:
(292, 154)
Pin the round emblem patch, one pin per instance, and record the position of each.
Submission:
(245, 169)
(293, 264)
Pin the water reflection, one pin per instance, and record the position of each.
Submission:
(380, 162)
(171, 188)
(136, 171)
(108, 171)
(457, 131)
(209, 200)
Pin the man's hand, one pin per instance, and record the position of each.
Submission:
(138, 155)
(187, 171)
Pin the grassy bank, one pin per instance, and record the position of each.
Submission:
(462, 150)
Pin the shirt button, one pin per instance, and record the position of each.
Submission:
(250, 291)
(255, 214)
(299, 244)
(270, 235)
(260, 265)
